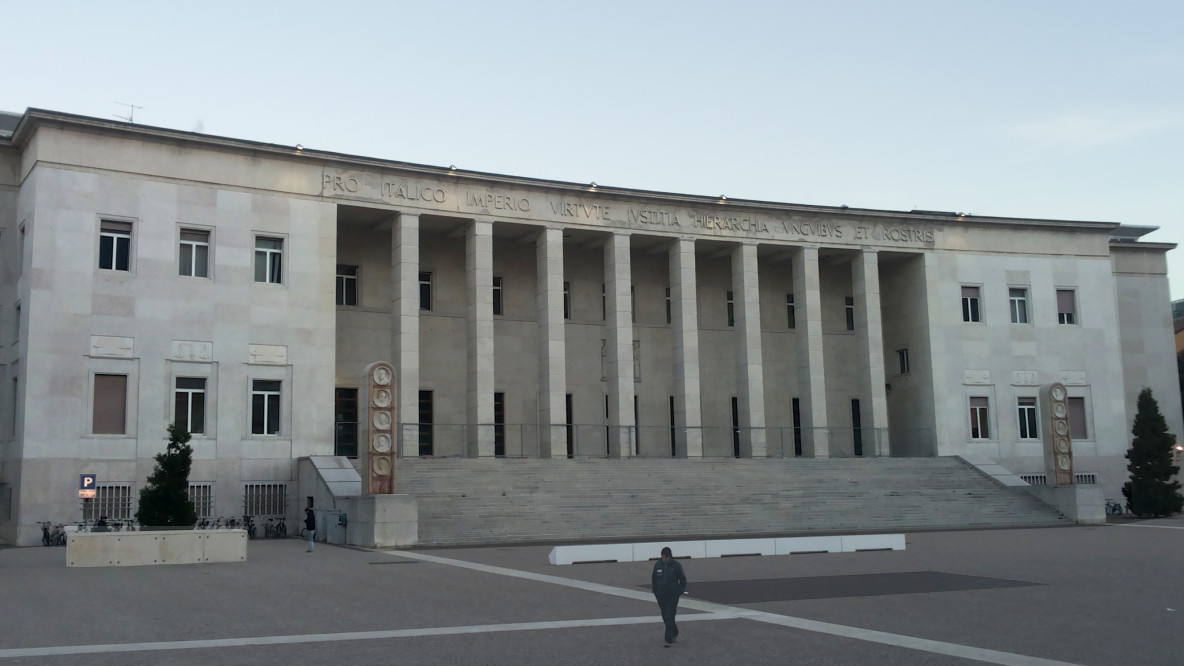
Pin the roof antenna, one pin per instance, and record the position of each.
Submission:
(131, 112)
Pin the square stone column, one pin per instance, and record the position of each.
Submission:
(405, 327)
(865, 283)
(479, 320)
(811, 373)
(684, 319)
(552, 344)
(749, 373)
(619, 339)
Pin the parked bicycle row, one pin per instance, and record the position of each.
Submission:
(274, 528)
(55, 535)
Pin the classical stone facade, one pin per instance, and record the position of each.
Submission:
(150, 276)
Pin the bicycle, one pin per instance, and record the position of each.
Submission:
(1113, 508)
(269, 529)
(249, 526)
(281, 530)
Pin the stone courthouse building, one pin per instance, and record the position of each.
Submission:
(241, 289)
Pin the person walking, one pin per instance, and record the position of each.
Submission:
(310, 526)
(668, 583)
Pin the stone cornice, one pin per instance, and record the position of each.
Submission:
(35, 118)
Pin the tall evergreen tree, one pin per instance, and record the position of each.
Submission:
(1151, 490)
(164, 502)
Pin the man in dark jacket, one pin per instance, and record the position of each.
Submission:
(310, 526)
(668, 583)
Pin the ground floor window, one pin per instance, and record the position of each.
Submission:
(202, 496)
(265, 499)
(113, 500)
(978, 418)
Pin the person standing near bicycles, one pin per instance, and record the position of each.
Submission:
(310, 526)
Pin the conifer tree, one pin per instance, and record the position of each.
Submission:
(1151, 490)
(164, 502)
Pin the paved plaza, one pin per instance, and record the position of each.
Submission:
(1101, 595)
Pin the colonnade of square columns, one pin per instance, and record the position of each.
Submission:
(552, 381)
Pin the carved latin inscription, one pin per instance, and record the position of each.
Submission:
(267, 354)
(104, 345)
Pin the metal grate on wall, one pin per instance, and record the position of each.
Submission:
(202, 496)
(113, 500)
(265, 499)
(1085, 478)
(1035, 479)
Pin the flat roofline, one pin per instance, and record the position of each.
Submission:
(34, 117)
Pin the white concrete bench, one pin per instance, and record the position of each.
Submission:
(125, 549)
(651, 550)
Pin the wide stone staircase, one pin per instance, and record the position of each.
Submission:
(482, 501)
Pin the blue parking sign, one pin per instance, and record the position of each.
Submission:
(87, 485)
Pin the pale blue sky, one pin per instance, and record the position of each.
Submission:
(1053, 109)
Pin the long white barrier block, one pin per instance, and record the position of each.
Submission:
(124, 549)
(873, 542)
(650, 550)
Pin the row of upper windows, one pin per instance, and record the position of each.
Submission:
(1027, 418)
(193, 255)
(347, 295)
(109, 405)
(1017, 299)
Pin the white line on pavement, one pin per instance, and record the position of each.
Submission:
(1162, 527)
(346, 636)
(844, 631)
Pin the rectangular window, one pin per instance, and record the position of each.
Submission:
(637, 360)
(113, 500)
(1029, 426)
(265, 407)
(731, 310)
(497, 295)
(194, 253)
(856, 428)
(1077, 424)
(1066, 306)
(499, 423)
(115, 245)
(189, 405)
(425, 423)
(849, 303)
(673, 431)
(110, 405)
(345, 439)
(269, 253)
(603, 303)
(265, 499)
(16, 384)
(16, 323)
(633, 304)
(569, 425)
(669, 309)
(202, 496)
(797, 427)
(978, 419)
(970, 304)
(790, 312)
(567, 300)
(425, 292)
(1019, 305)
(347, 285)
(735, 425)
(902, 361)
(636, 426)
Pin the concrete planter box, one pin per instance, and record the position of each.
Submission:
(127, 549)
